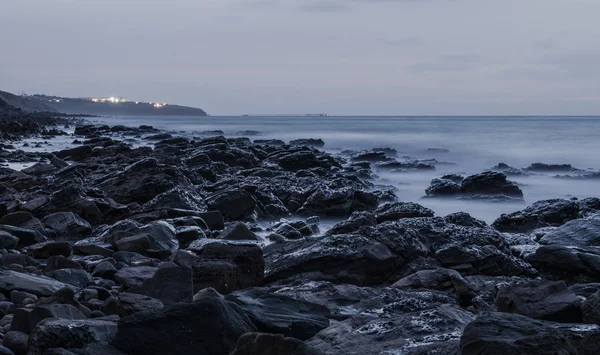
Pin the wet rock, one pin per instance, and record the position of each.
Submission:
(68, 225)
(75, 154)
(310, 142)
(74, 277)
(177, 198)
(270, 344)
(17, 342)
(338, 203)
(48, 249)
(541, 167)
(490, 183)
(21, 219)
(551, 301)
(137, 243)
(504, 333)
(443, 187)
(279, 314)
(7, 240)
(207, 326)
(26, 319)
(38, 285)
(464, 219)
(238, 231)
(579, 232)
(557, 262)
(345, 258)
(441, 280)
(134, 276)
(213, 220)
(57, 262)
(227, 267)
(353, 223)
(233, 205)
(398, 210)
(168, 284)
(126, 303)
(26, 236)
(590, 308)
(546, 213)
(62, 333)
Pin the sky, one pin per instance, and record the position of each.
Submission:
(341, 57)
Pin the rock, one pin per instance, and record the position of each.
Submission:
(270, 344)
(398, 210)
(579, 232)
(310, 142)
(126, 303)
(21, 219)
(7, 240)
(177, 198)
(551, 301)
(26, 319)
(546, 213)
(338, 203)
(39, 169)
(590, 309)
(213, 220)
(541, 167)
(162, 235)
(238, 231)
(134, 276)
(101, 249)
(37, 285)
(105, 270)
(137, 243)
(557, 262)
(63, 333)
(281, 314)
(68, 225)
(345, 258)
(17, 297)
(233, 205)
(56, 262)
(169, 285)
(504, 333)
(353, 223)
(74, 277)
(207, 292)
(47, 249)
(441, 280)
(6, 351)
(228, 267)
(17, 342)
(26, 236)
(490, 183)
(75, 154)
(443, 187)
(207, 326)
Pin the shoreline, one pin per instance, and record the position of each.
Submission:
(135, 224)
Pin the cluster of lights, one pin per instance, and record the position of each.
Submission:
(110, 99)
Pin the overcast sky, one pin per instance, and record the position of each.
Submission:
(381, 57)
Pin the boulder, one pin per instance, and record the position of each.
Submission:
(17, 342)
(68, 225)
(353, 223)
(238, 231)
(207, 326)
(7, 240)
(270, 344)
(546, 213)
(227, 267)
(442, 188)
(168, 284)
(232, 204)
(398, 210)
(135, 275)
(490, 183)
(505, 333)
(126, 303)
(26, 319)
(38, 285)
(280, 314)
(47, 249)
(338, 203)
(579, 233)
(557, 262)
(441, 280)
(74, 277)
(138, 243)
(345, 258)
(62, 333)
(551, 301)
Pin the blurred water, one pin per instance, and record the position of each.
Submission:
(474, 144)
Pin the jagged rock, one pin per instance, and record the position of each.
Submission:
(490, 183)
(38, 285)
(398, 210)
(443, 187)
(137, 243)
(134, 276)
(590, 308)
(504, 333)
(551, 301)
(233, 205)
(340, 203)
(63, 333)
(56, 262)
(353, 223)
(557, 262)
(168, 284)
(544, 213)
(441, 280)
(238, 231)
(579, 233)
(74, 277)
(17, 342)
(310, 142)
(208, 326)
(68, 225)
(279, 314)
(26, 319)
(126, 303)
(48, 249)
(270, 344)
(541, 167)
(346, 258)
(7, 240)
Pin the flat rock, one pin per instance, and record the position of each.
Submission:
(38, 285)
(270, 344)
(63, 333)
(579, 232)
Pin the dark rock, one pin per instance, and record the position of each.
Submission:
(557, 262)
(441, 280)
(48, 249)
(125, 304)
(26, 319)
(17, 297)
(227, 267)
(75, 154)
(490, 183)
(270, 344)
(213, 219)
(279, 314)
(345, 258)
(21, 219)
(443, 187)
(137, 243)
(26, 236)
(546, 213)
(579, 232)
(464, 219)
(7, 240)
(504, 333)
(233, 205)
(398, 210)
(77, 278)
(105, 270)
(38, 285)
(338, 203)
(56, 262)
(63, 333)
(590, 309)
(238, 231)
(17, 342)
(134, 276)
(551, 301)
(101, 249)
(541, 167)
(353, 223)
(207, 326)
(310, 142)
(169, 285)
(68, 225)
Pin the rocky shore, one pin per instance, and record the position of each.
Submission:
(136, 241)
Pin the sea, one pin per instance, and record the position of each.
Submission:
(462, 145)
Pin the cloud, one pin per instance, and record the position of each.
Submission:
(324, 6)
(404, 42)
(446, 63)
(545, 44)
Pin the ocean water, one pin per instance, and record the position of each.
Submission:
(474, 144)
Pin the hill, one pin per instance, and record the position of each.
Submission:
(25, 103)
(114, 107)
